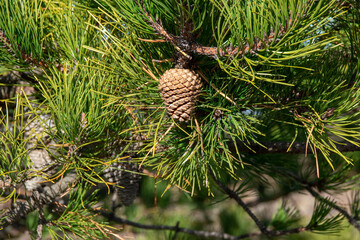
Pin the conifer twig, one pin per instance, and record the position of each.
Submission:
(184, 46)
(310, 188)
(162, 32)
(28, 58)
(236, 197)
(283, 147)
(348, 216)
(199, 233)
(176, 230)
(246, 49)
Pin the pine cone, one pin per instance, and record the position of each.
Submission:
(124, 174)
(179, 89)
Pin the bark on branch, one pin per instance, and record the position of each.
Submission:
(48, 196)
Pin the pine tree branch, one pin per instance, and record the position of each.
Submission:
(176, 230)
(48, 196)
(236, 197)
(287, 147)
(28, 58)
(246, 49)
(175, 41)
(185, 44)
(350, 218)
(5, 40)
(206, 234)
(310, 188)
(111, 217)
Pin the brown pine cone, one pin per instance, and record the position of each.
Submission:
(125, 176)
(179, 89)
